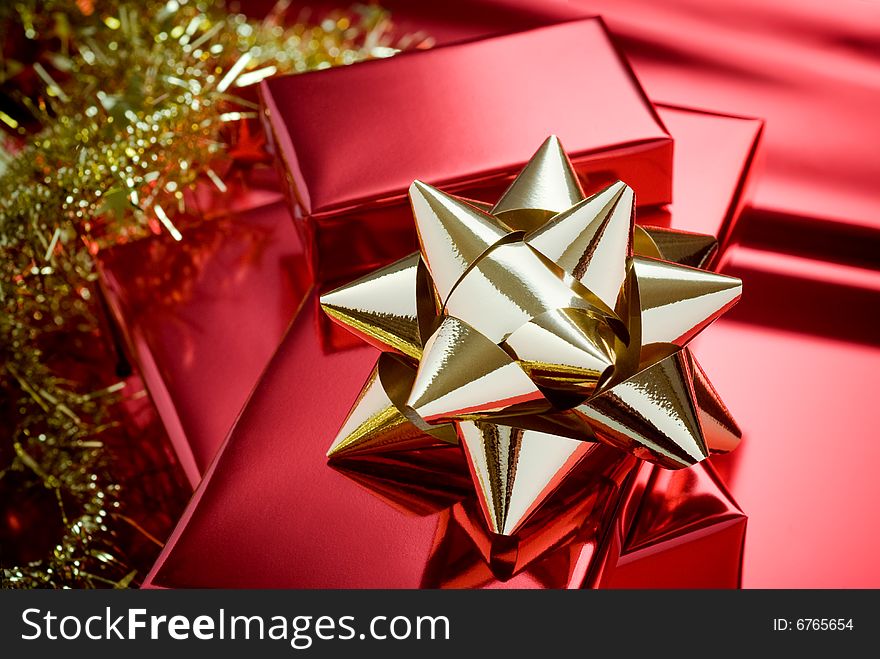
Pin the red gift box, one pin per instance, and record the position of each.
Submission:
(201, 317)
(336, 528)
(465, 117)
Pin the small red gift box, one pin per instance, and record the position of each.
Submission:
(464, 117)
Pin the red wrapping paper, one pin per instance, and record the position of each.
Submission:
(669, 530)
(463, 117)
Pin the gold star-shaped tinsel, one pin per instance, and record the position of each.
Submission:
(529, 331)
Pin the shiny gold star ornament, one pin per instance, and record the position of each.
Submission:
(529, 332)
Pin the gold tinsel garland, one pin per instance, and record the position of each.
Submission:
(134, 102)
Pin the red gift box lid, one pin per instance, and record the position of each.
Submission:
(461, 112)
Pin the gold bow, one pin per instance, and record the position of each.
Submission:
(531, 330)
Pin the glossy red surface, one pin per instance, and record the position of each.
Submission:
(795, 361)
(278, 472)
(715, 155)
(465, 554)
(203, 316)
(810, 68)
(448, 21)
(352, 169)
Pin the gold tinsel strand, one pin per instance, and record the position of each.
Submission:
(135, 104)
